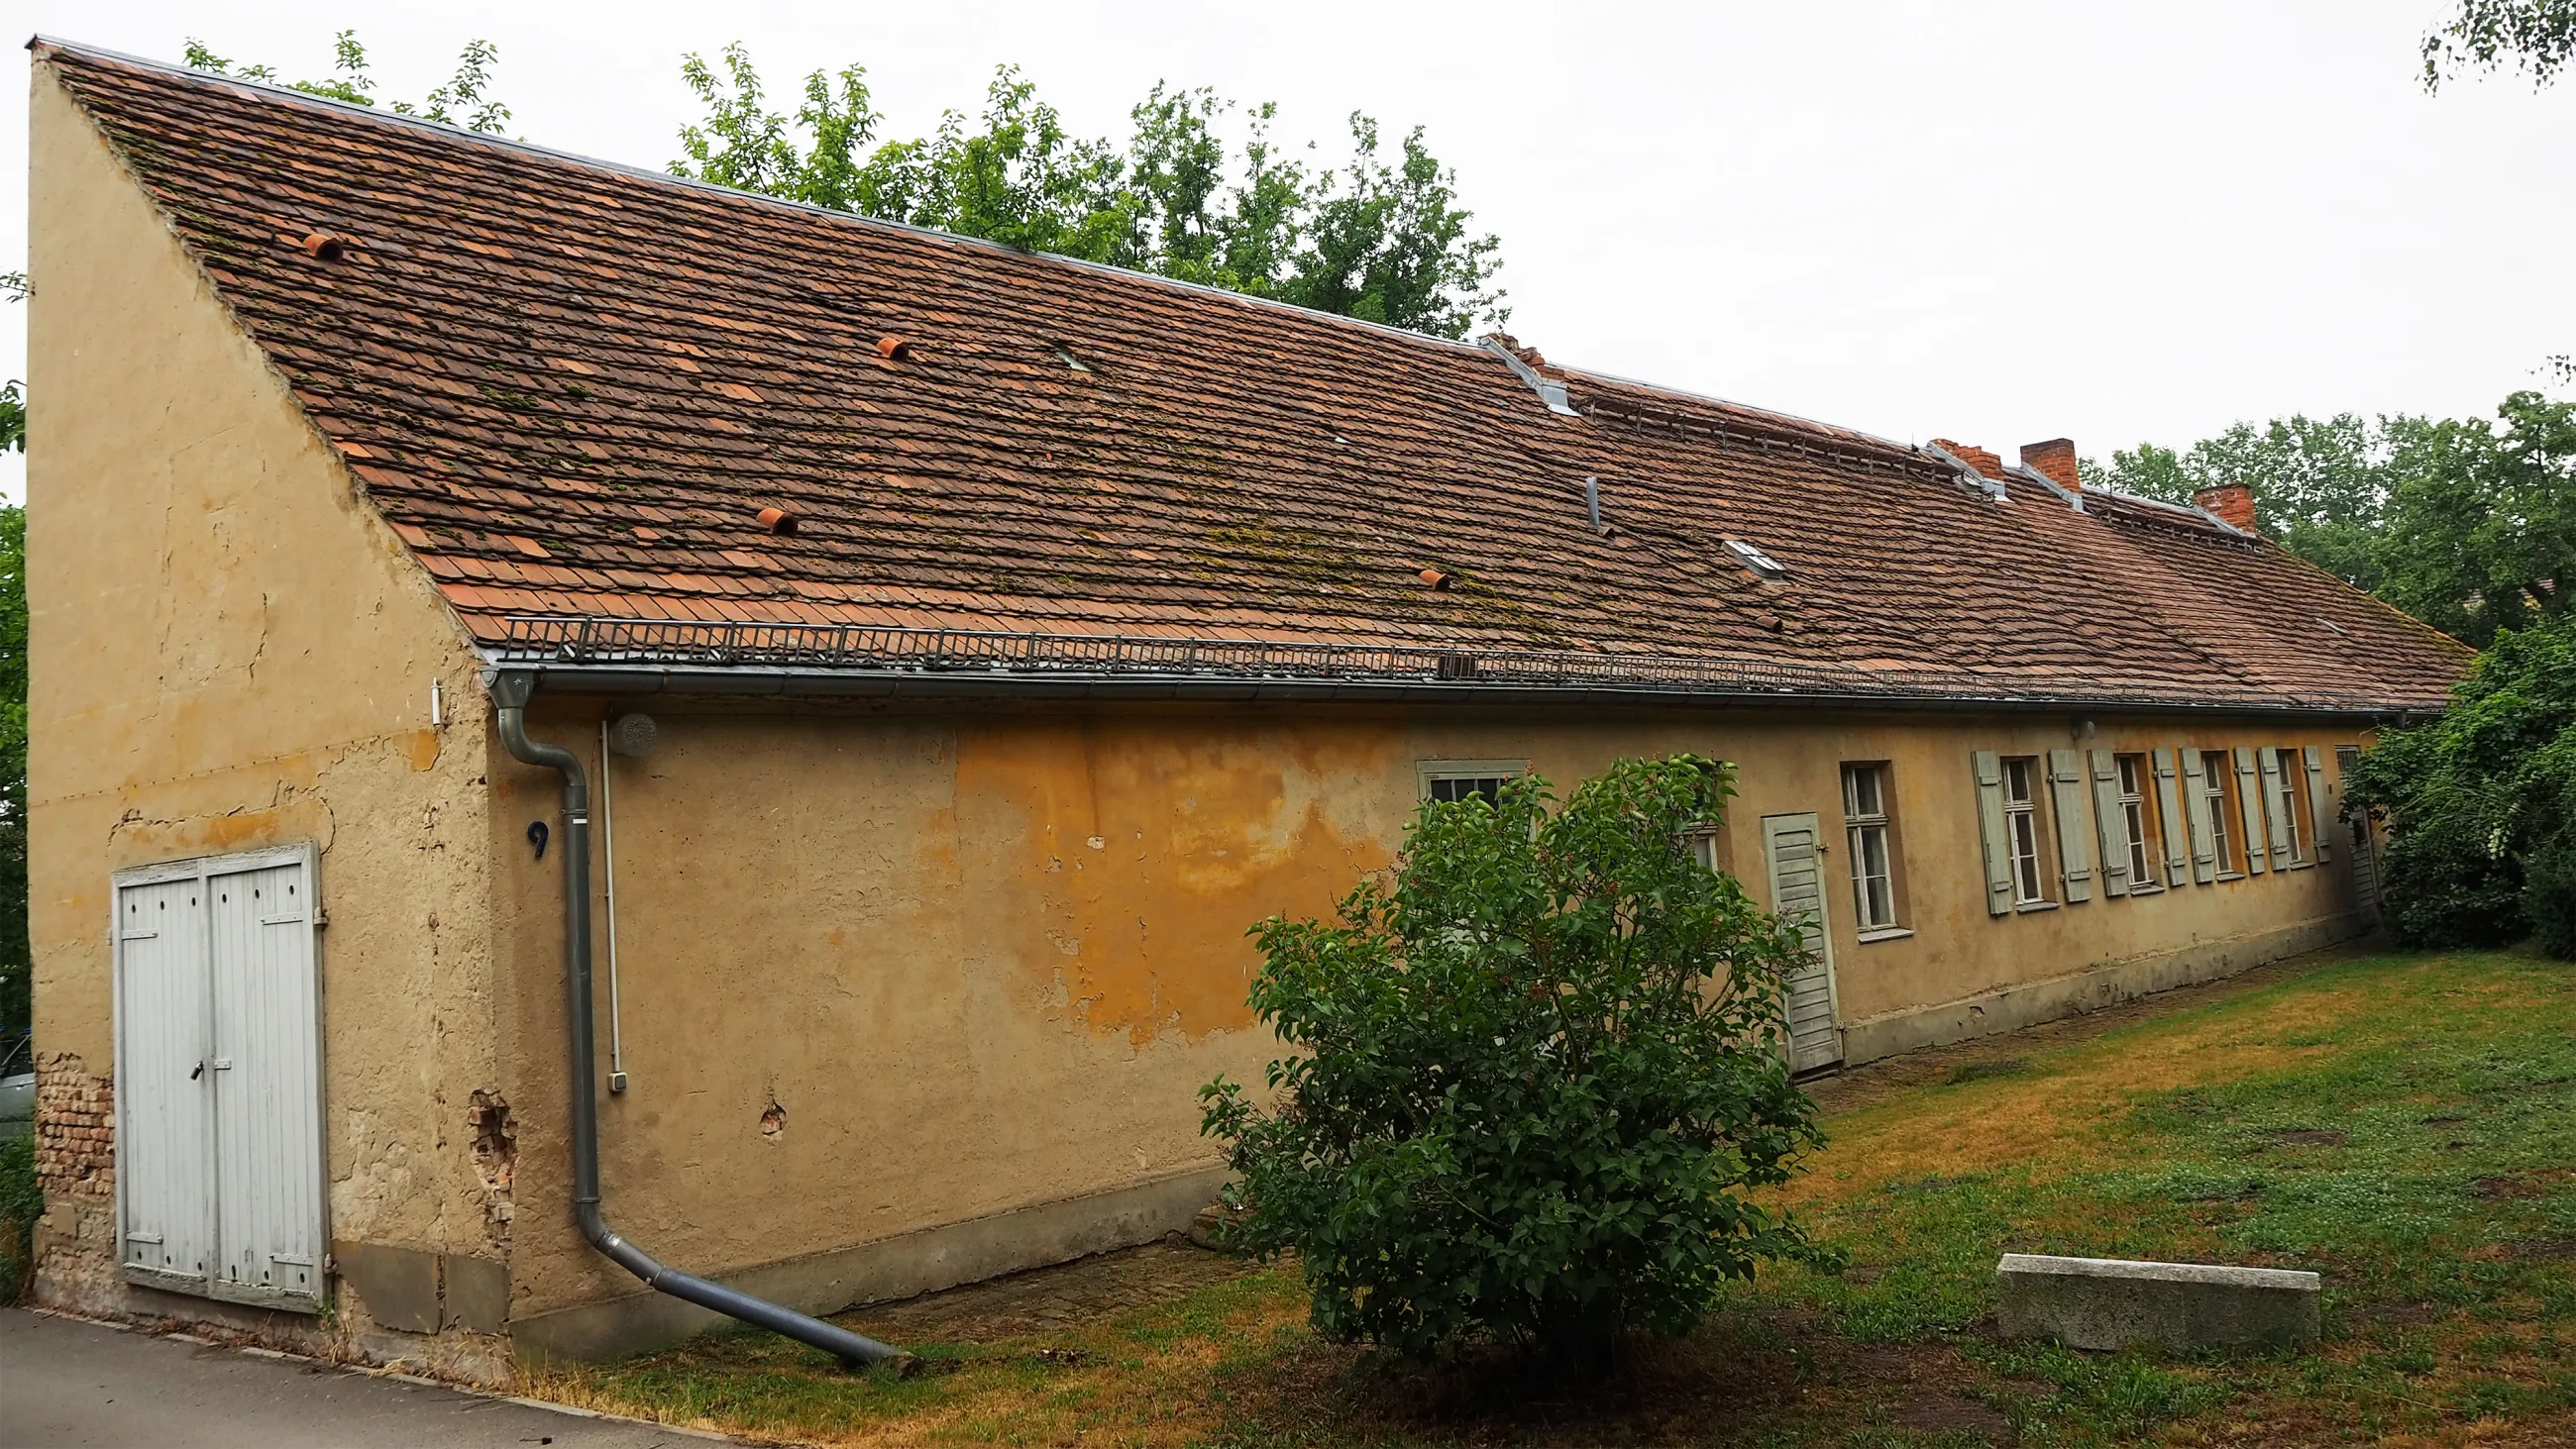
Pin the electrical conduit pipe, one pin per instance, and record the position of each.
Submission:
(511, 690)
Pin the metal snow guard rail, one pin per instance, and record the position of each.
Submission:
(599, 641)
(602, 641)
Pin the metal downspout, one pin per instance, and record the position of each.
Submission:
(510, 692)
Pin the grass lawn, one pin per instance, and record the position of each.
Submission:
(2404, 1124)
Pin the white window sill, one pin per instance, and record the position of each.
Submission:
(2228, 875)
(2146, 890)
(1891, 933)
(2300, 865)
(2022, 907)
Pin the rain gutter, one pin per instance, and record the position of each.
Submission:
(642, 678)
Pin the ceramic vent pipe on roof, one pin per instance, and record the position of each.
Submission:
(511, 689)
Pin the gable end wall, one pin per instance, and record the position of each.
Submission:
(230, 650)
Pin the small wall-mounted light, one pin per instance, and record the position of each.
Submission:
(2082, 729)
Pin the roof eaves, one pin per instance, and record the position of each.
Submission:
(594, 653)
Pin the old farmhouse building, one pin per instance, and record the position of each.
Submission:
(918, 663)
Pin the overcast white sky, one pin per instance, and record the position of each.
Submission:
(1997, 222)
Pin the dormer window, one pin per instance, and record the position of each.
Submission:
(1762, 564)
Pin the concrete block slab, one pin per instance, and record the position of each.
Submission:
(477, 1292)
(2111, 1303)
(399, 1286)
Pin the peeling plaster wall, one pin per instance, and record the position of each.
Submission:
(230, 651)
(889, 969)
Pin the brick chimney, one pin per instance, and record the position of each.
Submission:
(1990, 464)
(2233, 502)
(2053, 460)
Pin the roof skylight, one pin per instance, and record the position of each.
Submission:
(1762, 564)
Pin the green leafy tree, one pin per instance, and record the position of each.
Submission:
(2481, 803)
(1020, 178)
(16, 977)
(2480, 527)
(1532, 1082)
(1389, 243)
(1380, 239)
(463, 101)
(744, 145)
(2534, 36)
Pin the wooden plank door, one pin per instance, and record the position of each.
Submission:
(1791, 849)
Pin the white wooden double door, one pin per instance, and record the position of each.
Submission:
(218, 1079)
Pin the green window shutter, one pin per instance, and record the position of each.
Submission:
(2249, 790)
(2110, 823)
(1990, 822)
(2074, 848)
(2279, 819)
(2322, 818)
(2174, 825)
(2195, 798)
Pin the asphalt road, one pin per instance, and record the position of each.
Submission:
(66, 1382)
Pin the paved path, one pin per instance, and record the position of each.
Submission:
(63, 1381)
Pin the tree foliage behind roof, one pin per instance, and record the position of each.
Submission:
(2467, 524)
(1381, 237)
(462, 101)
(2534, 36)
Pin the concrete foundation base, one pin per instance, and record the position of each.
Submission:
(2028, 1004)
(899, 1267)
(2107, 1303)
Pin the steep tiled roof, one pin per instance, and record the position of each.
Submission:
(573, 388)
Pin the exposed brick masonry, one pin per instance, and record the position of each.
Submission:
(1983, 460)
(75, 1128)
(2053, 460)
(2231, 501)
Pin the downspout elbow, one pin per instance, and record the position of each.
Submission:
(511, 690)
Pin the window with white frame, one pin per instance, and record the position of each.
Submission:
(2292, 773)
(2021, 829)
(1867, 828)
(2139, 823)
(1452, 780)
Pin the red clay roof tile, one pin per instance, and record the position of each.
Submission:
(546, 359)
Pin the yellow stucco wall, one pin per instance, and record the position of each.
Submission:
(230, 651)
(983, 958)
(885, 969)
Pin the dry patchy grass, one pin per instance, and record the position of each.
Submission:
(2405, 1124)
